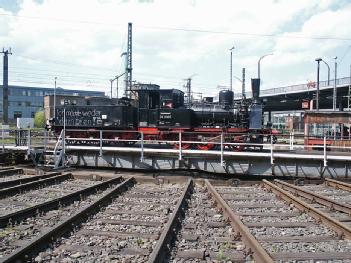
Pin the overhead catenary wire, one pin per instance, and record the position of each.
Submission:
(193, 30)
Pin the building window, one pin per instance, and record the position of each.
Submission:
(24, 93)
(32, 114)
(29, 93)
(17, 114)
(19, 103)
(27, 103)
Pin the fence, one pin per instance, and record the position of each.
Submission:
(223, 144)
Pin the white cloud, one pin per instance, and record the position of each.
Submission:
(90, 33)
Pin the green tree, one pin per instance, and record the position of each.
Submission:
(39, 119)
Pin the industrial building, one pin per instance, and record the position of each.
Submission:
(25, 101)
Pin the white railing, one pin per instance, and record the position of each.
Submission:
(286, 143)
(144, 144)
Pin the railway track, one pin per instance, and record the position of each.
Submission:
(22, 206)
(133, 222)
(10, 172)
(205, 234)
(27, 228)
(334, 202)
(118, 226)
(265, 224)
(19, 179)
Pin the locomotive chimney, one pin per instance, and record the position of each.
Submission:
(255, 86)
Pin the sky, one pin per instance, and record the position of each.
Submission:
(81, 41)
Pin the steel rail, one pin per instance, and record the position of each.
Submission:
(24, 253)
(6, 168)
(9, 172)
(338, 184)
(19, 181)
(55, 203)
(162, 248)
(6, 192)
(320, 199)
(337, 226)
(258, 252)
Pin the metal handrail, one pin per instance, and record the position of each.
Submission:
(298, 87)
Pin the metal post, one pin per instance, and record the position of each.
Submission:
(348, 101)
(334, 88)
(5, 95)
(317, 93)
(117, 78)
(28, 142)
(55, 98)
(328, 71)
(292, 140)
(3, 139)
(100, 142)
(325, 151)
(231, 68)
(243, 84)
(272, 157)
(64, 138)
(111, 80)
(222, 161)
(117, 88)
(142, 148)
(180, 146)
(45, 139)
(259, 64)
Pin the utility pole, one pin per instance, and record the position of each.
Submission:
(317, 93)
(55, 98)
(334, 88)
(111, 80)
(5, 85)
(349, 89)
(129, 68)
(259, 64)
(188, 88)
(243, 85)
(328, 71)
(117, 78)
(231, 68)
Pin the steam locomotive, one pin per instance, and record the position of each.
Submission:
(161, 115)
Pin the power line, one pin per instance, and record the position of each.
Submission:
(347, 50)
(247, 34)
(57, 71)
(57, 75)
(186, 29)
(64, 63)
(145, 76)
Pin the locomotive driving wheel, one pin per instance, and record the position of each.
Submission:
(184, 144)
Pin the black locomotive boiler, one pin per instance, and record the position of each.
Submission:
(161, 115)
